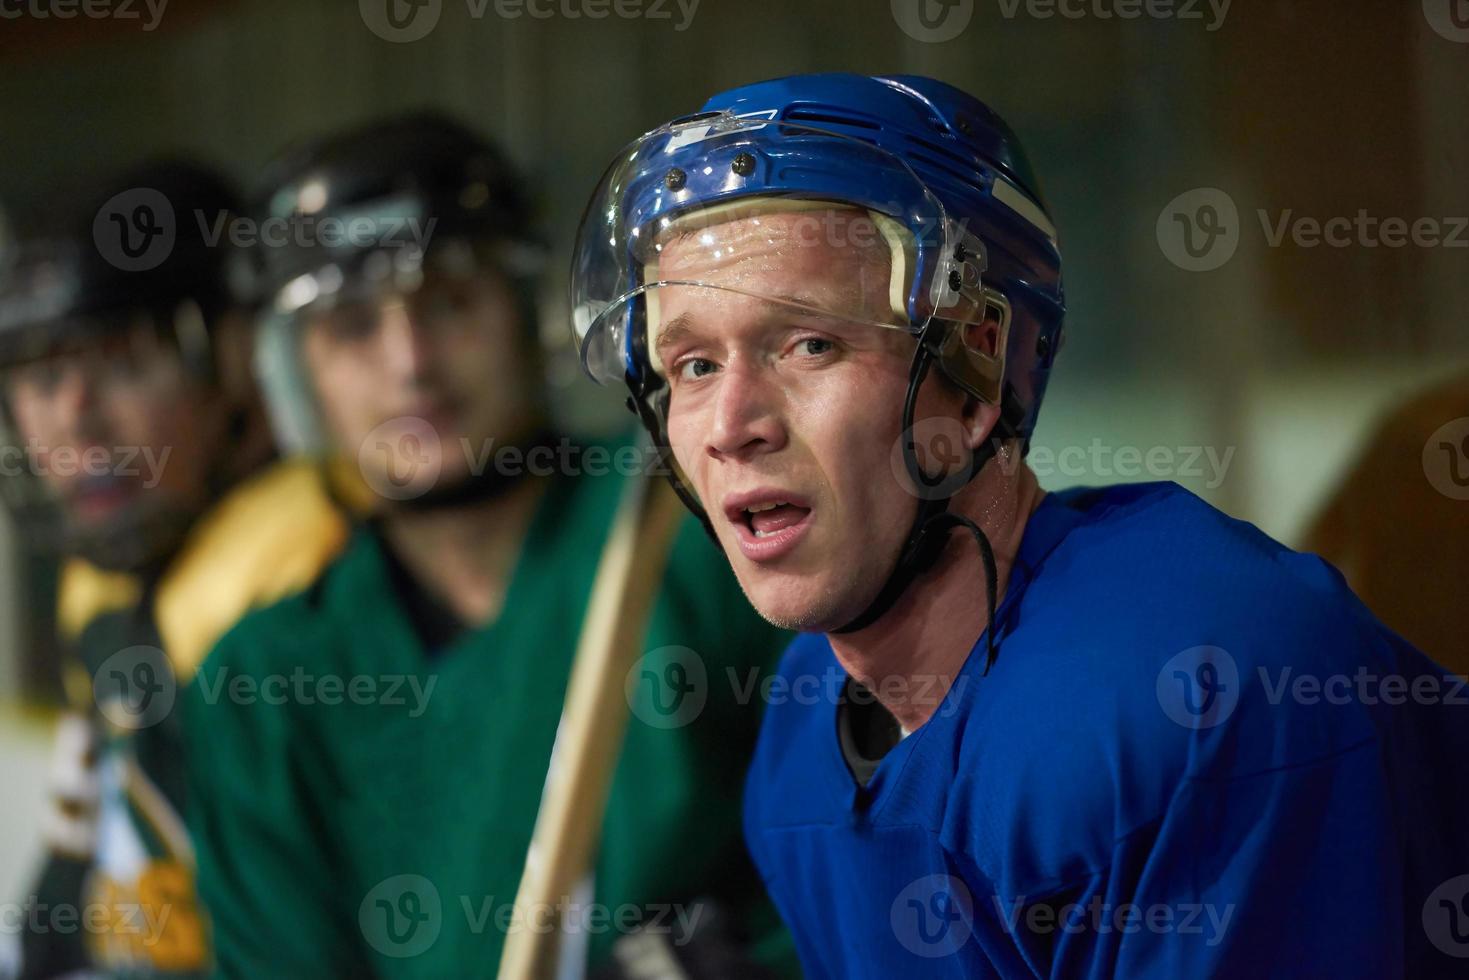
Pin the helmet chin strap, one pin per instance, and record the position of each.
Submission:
(933, 521)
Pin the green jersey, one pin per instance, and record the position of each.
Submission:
(115, 896)
(362, 805)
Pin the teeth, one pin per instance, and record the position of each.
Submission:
(764, 507)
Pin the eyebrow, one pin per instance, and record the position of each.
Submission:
(681, 328)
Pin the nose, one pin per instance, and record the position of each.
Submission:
(747, 418)
(73, 399)
(404, 342)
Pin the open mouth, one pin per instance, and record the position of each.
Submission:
(97, 499)
(768, 520)
(768, 524)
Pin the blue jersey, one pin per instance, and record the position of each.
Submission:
(1197, 755)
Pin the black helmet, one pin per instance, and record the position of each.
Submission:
(395, 185)
(148, 256)
(156, 244)
(373, 208)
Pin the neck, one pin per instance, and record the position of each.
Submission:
(464, 556)
(910, 657)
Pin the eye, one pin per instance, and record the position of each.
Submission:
(41, 375)
(351, 322)
(814, 346)
(695, 367)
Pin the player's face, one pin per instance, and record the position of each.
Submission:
(773, 405)
(116, 428)
(447, 356)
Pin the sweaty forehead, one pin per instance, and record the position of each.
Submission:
(838, 258)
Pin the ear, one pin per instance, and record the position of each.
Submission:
(984, 338)
(242, 411)
(233, 343)
(978, 419)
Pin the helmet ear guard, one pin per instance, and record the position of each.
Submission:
(977, 372)
(965, 305)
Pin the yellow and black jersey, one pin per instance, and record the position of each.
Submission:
(120, 851)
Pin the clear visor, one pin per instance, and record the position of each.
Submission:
(817, 223)
(446, 292)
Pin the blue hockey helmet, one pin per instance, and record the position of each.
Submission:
(948, 202)
(944, 177)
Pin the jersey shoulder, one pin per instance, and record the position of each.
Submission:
(1155, 564)
(1159, 642)
(269, 537)
(1152, 586)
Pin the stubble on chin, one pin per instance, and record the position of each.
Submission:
(819, 610)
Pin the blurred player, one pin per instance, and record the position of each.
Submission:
(1080, 748)
(375, 819)
(133, 444)
(1398, 524)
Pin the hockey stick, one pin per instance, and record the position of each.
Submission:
(593, 719)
